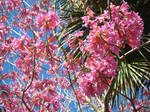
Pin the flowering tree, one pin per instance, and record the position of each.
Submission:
(49, 63)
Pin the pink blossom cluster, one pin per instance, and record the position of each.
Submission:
(4, 48)
(11, 4)
(26, 53)
(41, 92)
(74, 38)
(109, 33)
(4, 29)
(141, 105)
(47, 21)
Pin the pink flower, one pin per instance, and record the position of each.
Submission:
(91, 85)
(90, 12)
(86, 20)
(80, 96)
(78, 34)
(124, 7)
(64, 83)
(47, 21)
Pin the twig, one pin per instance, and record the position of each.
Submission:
(108, 96)
(65, 58)
(92, 104)
(33, 72)
(108, 3)
(74, 91)
(134, 49)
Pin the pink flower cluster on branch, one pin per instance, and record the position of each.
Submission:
(27, 53)
(47, 21)
(109, 32)
(141, 105)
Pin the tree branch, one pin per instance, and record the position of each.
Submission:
(33, 72)
(134, 49)
(108, 96)
(92, 104)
